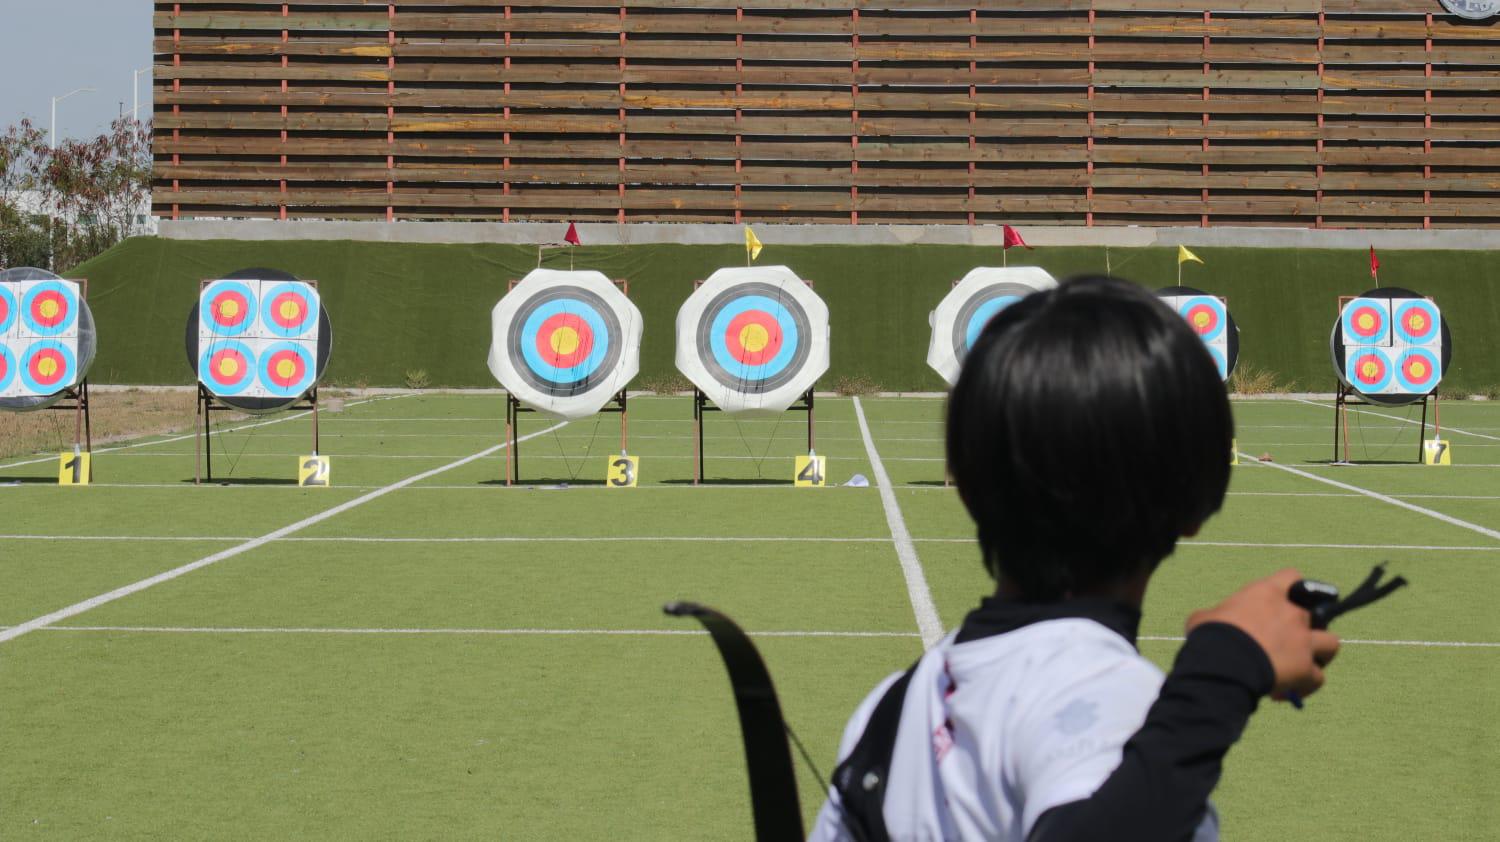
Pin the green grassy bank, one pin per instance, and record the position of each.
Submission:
(398, 307)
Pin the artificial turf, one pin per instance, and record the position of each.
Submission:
(504, 670)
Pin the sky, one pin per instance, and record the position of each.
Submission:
(50, 47)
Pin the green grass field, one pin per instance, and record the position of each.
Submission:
(455, 659)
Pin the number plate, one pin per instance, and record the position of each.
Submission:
(622, 471)
(73, 468)
(810, 471)
(1436, 452)
(313, 471)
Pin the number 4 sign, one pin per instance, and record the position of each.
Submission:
(313, 471)
(810, 471)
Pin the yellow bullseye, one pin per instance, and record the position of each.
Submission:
(290, 311)
(1369, 371)
(286, 369)
(1418, 324)
(50, 309)
(46, 367)
(754, 338)
(229, 367)
(1201, 320)
(1418, 369)
(564, 341)
(229, 308)
(1365, 321)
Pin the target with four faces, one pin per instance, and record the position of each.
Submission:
(1209, 317)
(259, 339)
(1391, 346)
(564, 343)
(973, 301)
(47, 339)
(753, 339)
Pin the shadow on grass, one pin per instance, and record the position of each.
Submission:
(245, 481)
(547, 483)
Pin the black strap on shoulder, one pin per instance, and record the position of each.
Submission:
(861, 778)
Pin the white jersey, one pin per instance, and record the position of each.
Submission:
(999, 730)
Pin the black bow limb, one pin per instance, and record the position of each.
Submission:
(773, 780)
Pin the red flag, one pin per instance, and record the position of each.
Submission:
(1013, 238)
(572, 236)
(1374, 264)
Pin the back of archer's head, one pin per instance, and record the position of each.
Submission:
(1088, 431)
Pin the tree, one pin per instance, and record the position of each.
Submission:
(23, 152)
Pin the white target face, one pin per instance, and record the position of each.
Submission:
(564, 343)
(1391, 346)
(46, 337)
(258, 339)
(753, 339)
(962, 314)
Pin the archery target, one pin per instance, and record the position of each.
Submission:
(259, 339)
(753, 339)
(227, 367)
(1369, 369)
(227, 308)
(1404, 346)
(564, 343)
(1415, 321)
(962, 314)
(47, 338)
(1418, 370)
(1209, 317)
(1367, 321)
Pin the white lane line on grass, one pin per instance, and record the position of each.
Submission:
(1402, 420)
(496, 632)
(174, 439)
(1375, 495)
(1426, 644)
(1271, 546)
(475, 539)
(911, 567)
(136, 587)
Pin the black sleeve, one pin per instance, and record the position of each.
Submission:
(1168, 768)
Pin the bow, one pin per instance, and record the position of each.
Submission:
(773, 779)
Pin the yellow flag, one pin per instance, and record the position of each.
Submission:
(752, 244)
(1183, 256)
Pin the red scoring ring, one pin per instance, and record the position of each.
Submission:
(299, 368)
(1417, 312)
(558, 322)
(62, 308)
(4, 366)
(1374, 329)
(1213, 319)
(34, 365)
(216, 308)
(218, 357)
(737, 327)
(283, 321)
(1406, 365)
(1359, 368)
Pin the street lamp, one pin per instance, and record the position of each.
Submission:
(135, 94)
(52, 141)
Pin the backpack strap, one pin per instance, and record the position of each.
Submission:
(861, 779)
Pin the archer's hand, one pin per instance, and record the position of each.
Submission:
(1283, 629)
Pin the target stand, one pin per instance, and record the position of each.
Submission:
(513, 407)
(209, 404)
(1346, 396)
(702, 405)
(75, 399)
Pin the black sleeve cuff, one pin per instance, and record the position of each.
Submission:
(1225, 652)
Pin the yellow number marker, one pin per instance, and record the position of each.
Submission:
(73, 468)
(313, 471)
(1436, 452)
(810, 471)
(622, 471)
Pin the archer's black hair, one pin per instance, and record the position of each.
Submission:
(1088, 431)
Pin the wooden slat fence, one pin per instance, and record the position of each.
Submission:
(1326, 113)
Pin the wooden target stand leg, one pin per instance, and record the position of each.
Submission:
(513, 409)
(1341, 422)
(702, 405)
(76, 400)
(208, 404)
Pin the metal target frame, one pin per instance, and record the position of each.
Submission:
(209, 403)
(75, 398)
(1344, 395)
(702, 405)
(618, 403)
